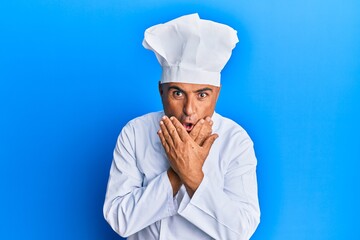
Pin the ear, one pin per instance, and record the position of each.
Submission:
(161, 91)
(218, 93)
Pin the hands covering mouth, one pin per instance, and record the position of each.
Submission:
(186, 151)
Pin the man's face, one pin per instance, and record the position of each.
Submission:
(188, 102)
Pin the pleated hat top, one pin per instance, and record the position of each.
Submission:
(190, 49)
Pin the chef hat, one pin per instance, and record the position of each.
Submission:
(190, 49)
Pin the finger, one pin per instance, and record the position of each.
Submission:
(209, 120)
(163, 141)
(166, 134)
(196, 129)
(181, 132)
(171, 130)
(209, 141)
(204, 133)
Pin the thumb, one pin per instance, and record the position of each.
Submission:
(209, 141)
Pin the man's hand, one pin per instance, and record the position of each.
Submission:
(186, 157)
(202, 130)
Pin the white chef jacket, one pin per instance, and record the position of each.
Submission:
(139, 202)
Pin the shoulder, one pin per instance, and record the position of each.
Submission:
(227, 125)
(141, 127)
(145, 119)
(143, 123)
(230, 130)
(234, 142)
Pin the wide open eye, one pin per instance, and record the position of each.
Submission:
(177, 94)
(203, 95)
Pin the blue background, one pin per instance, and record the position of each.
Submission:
(72, 73)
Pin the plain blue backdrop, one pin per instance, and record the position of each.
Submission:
(72, 73)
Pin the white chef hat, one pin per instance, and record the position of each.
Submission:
(190, 49)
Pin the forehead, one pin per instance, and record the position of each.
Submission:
(189, 87)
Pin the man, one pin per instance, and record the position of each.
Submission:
(185, 172)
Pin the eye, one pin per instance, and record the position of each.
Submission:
(203, 95)
(177, 94)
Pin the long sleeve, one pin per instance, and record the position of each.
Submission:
(139, 202)
(228, 209)
(129, 206)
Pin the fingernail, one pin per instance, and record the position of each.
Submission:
(202, 121)
(172, 118)
(164, 117)
(161, 122)
(159, 132)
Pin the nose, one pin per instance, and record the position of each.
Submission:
(189, 107)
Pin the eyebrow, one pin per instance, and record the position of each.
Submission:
(175, 88)
(196, 91)
(204, 90)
